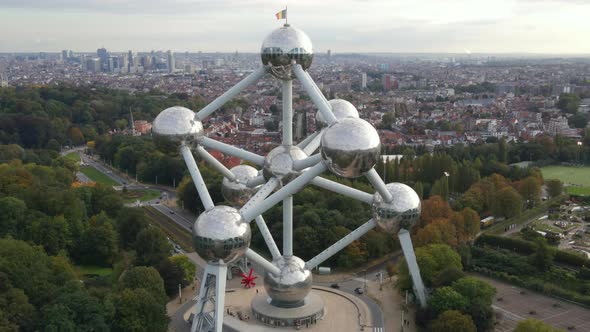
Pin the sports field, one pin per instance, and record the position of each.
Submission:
(576, 179)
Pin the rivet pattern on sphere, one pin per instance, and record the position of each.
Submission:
(341, 109)
(221, 234)
(290, 288)
(283, 46)
(236, 192)
(178, 123)
(402, 212)
(351, 147)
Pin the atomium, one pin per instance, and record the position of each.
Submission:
(178, 123)
(237, 192)
(280, 163)
(283, 47)
(220, 235)
(341, 109)
(402, 212)
(291, 286)
(350, 147)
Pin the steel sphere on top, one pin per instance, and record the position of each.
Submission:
(402, 212)
(341, 109)
(350, 147)
(284, 46)
(220, 235)
(291, 286)
(177, 123)
(237, 192)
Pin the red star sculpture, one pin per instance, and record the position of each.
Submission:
(248, 280)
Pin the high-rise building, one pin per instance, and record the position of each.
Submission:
(329, 53)
(363, 80)
(64, 55)
(171, 64)
(102, 53)
(387, 82)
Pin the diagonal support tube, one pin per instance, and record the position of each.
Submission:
(231, 150)
(290, 189)
(259, 197)
(308, 139)
(215, 163)
(229, 94)
(197, 177)
(378, 184)
(270, 242)
(341, 244)
(342, 189)
(256, 258)
(316, 97)
(255, 182)
(315, 143)
(288, 226)
(301, 164)
(408, 249)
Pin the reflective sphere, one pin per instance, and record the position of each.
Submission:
(283, 46)
(220, 235)
(402, 212)
(350, 147)
(279, 163)
(341, 109)
(236, 192)
(177, 123)
(290, 288)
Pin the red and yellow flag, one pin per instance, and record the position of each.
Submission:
(282, 15)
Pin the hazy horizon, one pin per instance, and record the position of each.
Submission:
(512, 27)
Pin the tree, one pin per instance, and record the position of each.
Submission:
(483, 316)
(475, 290)
(147, 278)
(447, 276)
(507, 202)
(12, 213)
(446, 298)
(434, 207)
(543, 256)
(172, 275)
(554, 187)
(578, 120)
(188, 268)
(452, 320)
(151, 247)
(99, 241)
(432, 259)
(568, 102)
(136, 310)
(530, 190)
(130, 222)
(534, 325)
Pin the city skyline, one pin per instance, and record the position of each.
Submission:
(426, 26)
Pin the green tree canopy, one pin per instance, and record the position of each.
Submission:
(452, 320)
(534, 325)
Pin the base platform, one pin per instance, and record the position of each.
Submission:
(308, 314)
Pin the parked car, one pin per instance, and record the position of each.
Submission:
(335, 286)
(359, 290)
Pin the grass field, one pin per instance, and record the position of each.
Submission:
(93, 270)
(97, 176)
(579, 191)
(73, 156)
(143, 195)
(568, 175)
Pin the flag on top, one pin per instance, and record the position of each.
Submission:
(282, 15)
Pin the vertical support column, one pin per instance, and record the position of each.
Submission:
(288, 226)
(408, 249)
(288, 112)
(220, 296)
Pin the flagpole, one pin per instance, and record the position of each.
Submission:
(286, 16)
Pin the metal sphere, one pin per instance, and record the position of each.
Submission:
(341, 109)
(402, 212)
(177, 123)
(237, 192)
(284, 46)
(279, 163)
(291, 286)
(221, 235)
(350, 147)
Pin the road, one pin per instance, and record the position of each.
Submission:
(185, 220)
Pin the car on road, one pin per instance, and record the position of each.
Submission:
(171, 212)
(336, 286)
(359, 290)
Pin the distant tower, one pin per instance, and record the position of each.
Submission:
(171, 64)
(132, 123)
(329, 53)
(363, 81)
(387, 82)
(3, 80)
(64, 55)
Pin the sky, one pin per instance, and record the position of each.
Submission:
(432, 26)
